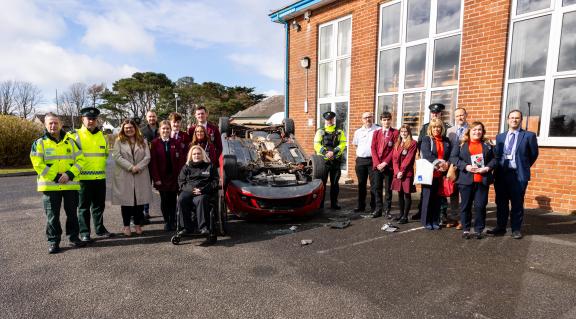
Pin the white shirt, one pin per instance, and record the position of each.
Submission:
(363, 140)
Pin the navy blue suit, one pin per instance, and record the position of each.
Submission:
(511, 183)
(471, 192)
(430, 198)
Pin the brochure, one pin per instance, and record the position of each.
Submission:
(477, 160)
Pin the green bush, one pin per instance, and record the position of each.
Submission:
(16, 138)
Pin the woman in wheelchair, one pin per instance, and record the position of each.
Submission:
(198, 180)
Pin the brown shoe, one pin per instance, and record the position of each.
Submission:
(459, 226)
(138, 230)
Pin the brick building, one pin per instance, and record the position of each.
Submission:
(488, 56)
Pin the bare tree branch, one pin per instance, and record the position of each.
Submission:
(27, 97)
(7, 97)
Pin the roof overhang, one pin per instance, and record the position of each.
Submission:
(296, 9)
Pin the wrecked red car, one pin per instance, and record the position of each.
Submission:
(265, 172)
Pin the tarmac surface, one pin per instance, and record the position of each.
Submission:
(262, 271)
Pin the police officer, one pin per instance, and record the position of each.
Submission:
(330, 143)
(58, 160)
(93, 177)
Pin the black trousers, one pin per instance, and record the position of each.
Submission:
(168, 207)
(135, 212)
(194, 207)
(92, 200)
(333, 171)
(509, 199)
(364, 171)
(475, 195)
(52, 201)
(430, 203)
(383, 183)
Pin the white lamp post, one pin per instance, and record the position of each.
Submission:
(176, 97)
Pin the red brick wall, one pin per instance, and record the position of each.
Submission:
(482, 72)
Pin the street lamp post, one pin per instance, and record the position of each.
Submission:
(176, 98)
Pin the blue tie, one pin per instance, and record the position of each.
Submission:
(510, 144)
(460, 130)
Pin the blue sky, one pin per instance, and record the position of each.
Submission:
(55, 43)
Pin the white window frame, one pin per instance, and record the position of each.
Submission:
(402, 44)
(556, 11)
(333, 99)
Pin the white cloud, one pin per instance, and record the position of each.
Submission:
(270, 66)
(272, 92)
(23, 19)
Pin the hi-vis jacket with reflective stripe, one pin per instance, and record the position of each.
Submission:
(95, 149)
(51, 159)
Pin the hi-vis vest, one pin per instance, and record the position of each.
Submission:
(51, 159)
(330, 139)
(95, 149)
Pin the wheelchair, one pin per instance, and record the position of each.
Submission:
(217, 220)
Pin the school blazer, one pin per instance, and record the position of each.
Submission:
(383, 146)
(460, 157)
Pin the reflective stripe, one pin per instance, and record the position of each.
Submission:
(57, 184)
(78, 153)
(58, 157)
(36, 154)
(95, 155)
(77, 139)
(92, 172)
(45, 171)
(78, 167)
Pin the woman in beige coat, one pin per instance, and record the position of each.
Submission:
(131, 186)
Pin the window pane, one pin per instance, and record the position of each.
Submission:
(519, 94)
(563, 117)
(449, 99)
(529, 47)
(567, 57)
(386, 103)
(568, 2)
(326, 76)
(389, 71)
(325, 42)
(446, 61)
(344, 36)
(413, 110)
(415, 66)
(418, 19)
(448, 15)
(343, 77)
(342, 123)
(523, 6)
(324, 107)
(390, 20)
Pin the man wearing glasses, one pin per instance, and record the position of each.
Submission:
(363, 142)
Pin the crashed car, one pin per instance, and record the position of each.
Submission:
(265, 172)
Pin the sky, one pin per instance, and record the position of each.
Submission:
(55, 43)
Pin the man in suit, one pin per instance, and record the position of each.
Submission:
(516, 151)
(382, 147)
(201, 115)
(455, 134)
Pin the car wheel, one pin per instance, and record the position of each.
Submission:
(318, 167)
(224, 125)
(289, 128)
(230, 164)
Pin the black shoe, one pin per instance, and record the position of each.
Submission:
(204, 231)
(53, 248)
(77, 243)
(466, 235)
(517, 234)
(335, 207)
(478, 235)
(496, 231)
(416, 216)
(403, 221)
(376, 214)
(146, 216)
(358, 210)
(105, 234)
(146, 221)
(86, 239)
(185, 232)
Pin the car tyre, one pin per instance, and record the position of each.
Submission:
(230, 165)
(224, 125)
(289, 128)
(318, 167)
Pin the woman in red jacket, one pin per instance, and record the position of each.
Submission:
(168, 156)
(200, 138)
(403, 157)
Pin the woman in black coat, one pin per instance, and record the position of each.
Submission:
(436, 149)
(475, 160)
(198, 180)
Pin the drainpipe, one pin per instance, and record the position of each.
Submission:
(286, 68)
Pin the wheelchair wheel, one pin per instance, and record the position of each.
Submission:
(222, 216)
(175, 240)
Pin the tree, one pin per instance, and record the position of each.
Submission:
(143, 91)
(95, 92)
(27, 97)
(7, 97)
(114, 107)
(73, 100)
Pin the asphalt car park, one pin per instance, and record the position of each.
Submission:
(261, 270)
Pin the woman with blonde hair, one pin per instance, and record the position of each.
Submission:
(131, 184)
(403, 157)
(436, 149)
(197, 181)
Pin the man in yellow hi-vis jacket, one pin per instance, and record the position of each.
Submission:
(330, 143)
(58, 161)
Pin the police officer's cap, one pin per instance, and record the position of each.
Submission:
(436, 107)
(328, 115)
(90, 112)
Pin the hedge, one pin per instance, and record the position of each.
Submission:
(16, 138)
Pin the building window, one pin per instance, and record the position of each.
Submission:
(334, 52)
(418, 58)
(541, 69)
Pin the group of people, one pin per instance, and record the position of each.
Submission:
(71, 168)
(465, 163)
